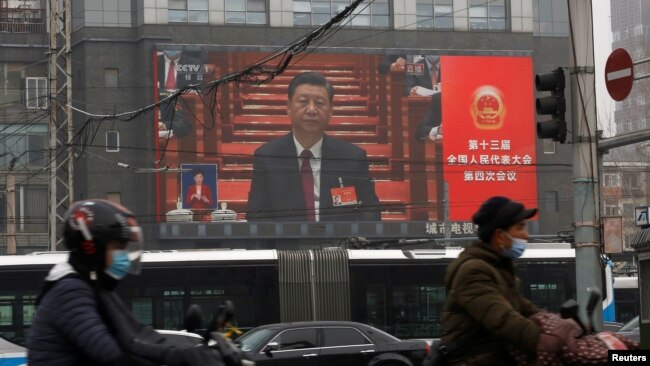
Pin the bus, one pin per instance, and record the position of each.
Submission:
(626, 298)
(399, 291)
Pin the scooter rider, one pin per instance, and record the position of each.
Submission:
(72, 325)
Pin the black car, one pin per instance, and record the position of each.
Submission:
(322, 343)
(631, 329)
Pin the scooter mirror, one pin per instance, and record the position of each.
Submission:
(569, 309)
(592, 303)
(594, 298)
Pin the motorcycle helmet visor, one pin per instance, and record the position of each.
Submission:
(134, 247)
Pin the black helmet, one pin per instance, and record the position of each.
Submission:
(91, 224)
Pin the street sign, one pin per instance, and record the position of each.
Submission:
(641, 216)
(619, 74)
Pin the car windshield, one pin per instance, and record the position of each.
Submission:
(631, 325)
(254, 338)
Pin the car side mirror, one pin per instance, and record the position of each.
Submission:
(273, 346)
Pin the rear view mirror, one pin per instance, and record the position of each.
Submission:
(273, 346)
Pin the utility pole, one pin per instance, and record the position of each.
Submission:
(61, 128)
(586, 188)
(11, 214)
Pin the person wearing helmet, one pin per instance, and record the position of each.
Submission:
(80, 320)
(104, 241)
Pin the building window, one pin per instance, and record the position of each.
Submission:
(24, 146)
(187, 11)
(112, 141)
(611, 180)
(435, 14)
(30, 209)
(632, 181)
(487, 15)
(36, 92)
(551, 18)
(628, 210)
(316, 13)
(611, 208)
(13, 82)
(550, 201)
(246, 11)
(111, 78)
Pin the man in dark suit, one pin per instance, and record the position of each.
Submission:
(429, 78)
(178, 69)
(423, 71)
(297, 176)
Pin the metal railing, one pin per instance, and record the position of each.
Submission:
(22, 20)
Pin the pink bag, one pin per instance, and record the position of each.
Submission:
(584, 350)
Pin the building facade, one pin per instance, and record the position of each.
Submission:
(114, 47)
(625, 173)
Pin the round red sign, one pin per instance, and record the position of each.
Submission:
(619, 74)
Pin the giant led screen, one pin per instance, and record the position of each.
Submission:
(406, 137)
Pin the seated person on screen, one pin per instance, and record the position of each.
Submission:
(297, 176)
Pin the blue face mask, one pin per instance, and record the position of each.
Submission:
(120, 266)
(517, 249)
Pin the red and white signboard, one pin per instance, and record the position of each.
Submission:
(619, 74)
(489, 132)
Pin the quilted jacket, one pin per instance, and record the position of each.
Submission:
(67, 329)
(485, 310)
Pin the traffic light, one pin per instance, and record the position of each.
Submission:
(554, 105)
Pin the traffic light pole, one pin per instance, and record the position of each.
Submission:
(586, 192)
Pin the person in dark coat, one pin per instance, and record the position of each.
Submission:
(68, 328)
(430, 126)
(484, 312)
(72, 326)
(289, 186)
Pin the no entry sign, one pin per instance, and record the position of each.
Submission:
(619, 74)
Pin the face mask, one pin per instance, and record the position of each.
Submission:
(517, 248)
(120, 266)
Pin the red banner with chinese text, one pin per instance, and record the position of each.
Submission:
(489, 131)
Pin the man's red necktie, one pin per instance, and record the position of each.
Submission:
(170, 83)
(307, 177)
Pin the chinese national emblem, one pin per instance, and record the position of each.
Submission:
(488, 109)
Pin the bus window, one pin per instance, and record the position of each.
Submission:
(544, 295)
(376, 305)
(547, 285)
(6, 310)
(29, 308)
(403, 300)
(142, 309)
(172, 308)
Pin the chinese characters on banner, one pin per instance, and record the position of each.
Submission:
(455, 228)
(489, 132)
(490, 153)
